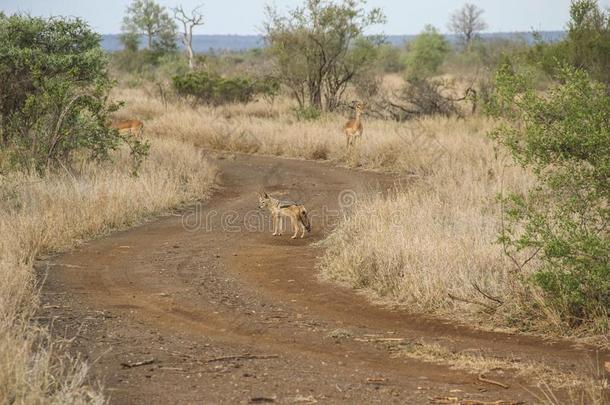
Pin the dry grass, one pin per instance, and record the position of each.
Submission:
(433, 236)
(274, 130)
(53, 213)
(551, 382)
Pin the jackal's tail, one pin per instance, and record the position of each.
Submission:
(304, 219)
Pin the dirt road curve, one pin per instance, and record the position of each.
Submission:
(235, 315)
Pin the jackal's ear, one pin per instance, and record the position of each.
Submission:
(265, 195)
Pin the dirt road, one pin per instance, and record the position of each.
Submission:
(230, 314)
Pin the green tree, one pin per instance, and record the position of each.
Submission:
(426, 53)
(319, 48)
(130, 41)
(564, 138)
(588, 40)
(586, 45)
(390, 58)
(54, 90)
(151, 19)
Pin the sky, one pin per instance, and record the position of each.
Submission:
(245, 17)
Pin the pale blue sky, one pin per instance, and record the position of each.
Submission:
(246, 16)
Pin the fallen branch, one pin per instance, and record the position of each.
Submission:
(486, 294)
(139, 363)
(257, 400)
(376, 380)
(455, 400)
(456, 298)
(380, 339)
(488, 381)
(246, 356)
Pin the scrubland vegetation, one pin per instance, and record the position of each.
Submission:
(499, 219)
(52, 212)
(51, 201)
(464, 234)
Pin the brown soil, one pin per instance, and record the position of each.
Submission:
(239, 316)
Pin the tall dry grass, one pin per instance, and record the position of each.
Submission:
(53, 213)
(274, 130)
(431, 244)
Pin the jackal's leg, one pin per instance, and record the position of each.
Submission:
(280, 221)
(295, 227)
(274, 221)
(302, 230)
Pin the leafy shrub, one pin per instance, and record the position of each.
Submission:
(206, 88)
(307, 113)
(564, 138)
(586, 46)
(389, 59)
(588, 40)
(53, 92)
(427, 53)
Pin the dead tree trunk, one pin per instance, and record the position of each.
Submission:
(188, 23)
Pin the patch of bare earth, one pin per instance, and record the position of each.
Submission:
(220, 311)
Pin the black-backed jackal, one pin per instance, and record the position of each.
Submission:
(279, 208)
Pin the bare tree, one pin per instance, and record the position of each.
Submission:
(188, 23)
(467, 22)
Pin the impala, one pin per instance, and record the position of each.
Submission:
(353, 128)
(134, 127)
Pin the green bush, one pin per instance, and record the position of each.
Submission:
(307, 113)
(426, 53)
(205, 88)
(389, 59)
(586, 46)
(53, 92)
(564, 138)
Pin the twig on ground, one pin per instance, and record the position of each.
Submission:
(257, 400)
(456, 298)
(246, 356)
(486, 294)
(493, 382)
(376, 380)
(138, 363)
(456, 400)
(380, 340)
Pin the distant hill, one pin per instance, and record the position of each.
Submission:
(201, 43)
(238, 43)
